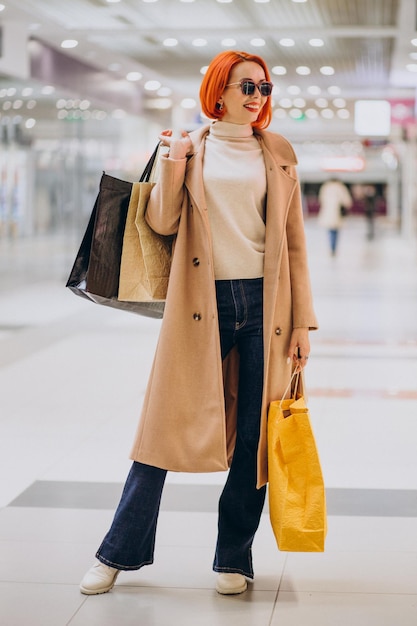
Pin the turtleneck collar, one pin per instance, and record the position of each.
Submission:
(228, 129)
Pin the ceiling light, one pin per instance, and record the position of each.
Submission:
(261, 1)
(413, 55)
(321, 102)
(257, 42)
(339, 103)
(279, 70)
(328, 114)
(296, 114)
(134, 76)
(343, 114)
(170, 42)
(303, 70)
(316, 42)
(149, 1)
(199, 42)
(30, 122)
(27, 91)
(411, 67)
(228, 42)
(47, 90)
(188, 103)
(152, 85)
(327, 70)
(112, 1)
(285, 103)
(311, 114)
(187, 1)
(414, 42)
(334, 90)
(69, 43)
(30, 104)
(224, 1)
(299, 103)
(314, 90)
(2, 7)
(287, 42)
(11, 91)
(203, 69)
(299, 1)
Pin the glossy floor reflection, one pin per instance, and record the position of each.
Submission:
(72, 378)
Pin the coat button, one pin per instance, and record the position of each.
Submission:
(278, 331)
(197, 317)
(196, 261)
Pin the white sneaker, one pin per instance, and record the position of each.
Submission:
(99, 579)
(229, 584)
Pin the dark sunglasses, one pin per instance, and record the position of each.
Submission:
(248, 87)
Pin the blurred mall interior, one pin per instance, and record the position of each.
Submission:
(86, 87)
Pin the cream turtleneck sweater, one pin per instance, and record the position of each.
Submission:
(235, 189)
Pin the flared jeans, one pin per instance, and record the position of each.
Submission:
(130, 542)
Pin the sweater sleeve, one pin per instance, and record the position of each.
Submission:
(166, 198)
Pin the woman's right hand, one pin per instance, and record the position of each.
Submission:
(178, 148)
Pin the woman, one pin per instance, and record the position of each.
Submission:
(236, 320)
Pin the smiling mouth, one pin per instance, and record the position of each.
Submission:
(252, 106)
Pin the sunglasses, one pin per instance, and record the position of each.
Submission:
(248, 87)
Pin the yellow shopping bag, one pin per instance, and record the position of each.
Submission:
(297, 500)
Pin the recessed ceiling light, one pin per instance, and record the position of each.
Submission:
(303, 70)
(69, 43)
(112, 1)
(316, 42)
(279, 70)
(152, 85)
(134, 76)
(287, 42)
(224, 1)
(334, 90)
(414, 42)
(47, 90)
(170, 42)
(343, 114)
(2, 7)
(203, 69)
(228, 42)
(412, 67)
(339, 103)
(322, 103)
(315, 90)
(327, 70)
(328, 114)
(30, 122)
(199, 42)
(312, 114)
(261, 1)
(257, 42)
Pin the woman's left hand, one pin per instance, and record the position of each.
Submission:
(299, 349)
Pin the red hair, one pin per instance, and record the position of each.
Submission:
(216, 79)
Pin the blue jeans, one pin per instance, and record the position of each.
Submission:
(130, 542)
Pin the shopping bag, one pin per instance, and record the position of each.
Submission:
(146, 255)
(95, 274)
(296, 492)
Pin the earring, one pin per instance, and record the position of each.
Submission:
(219, 106)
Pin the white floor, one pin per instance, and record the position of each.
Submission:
(72, 377)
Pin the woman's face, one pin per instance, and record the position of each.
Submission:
(242, 109)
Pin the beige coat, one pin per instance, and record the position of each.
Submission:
(188, 417)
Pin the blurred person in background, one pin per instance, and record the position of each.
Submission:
(335, 201)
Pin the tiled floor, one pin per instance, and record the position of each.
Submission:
(72, 377)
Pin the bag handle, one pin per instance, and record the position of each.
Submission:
(150, 167)
(297, 376)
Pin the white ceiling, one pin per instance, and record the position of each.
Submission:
(368, 42)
